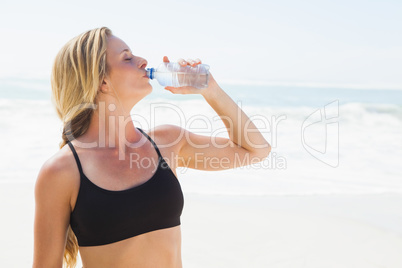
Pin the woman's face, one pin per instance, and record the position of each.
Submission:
(126, 72)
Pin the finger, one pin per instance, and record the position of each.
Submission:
(180, 90)
(175, 90)
(182, 62)
(165, 59)
(192, 62)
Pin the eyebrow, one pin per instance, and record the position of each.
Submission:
(125, 50)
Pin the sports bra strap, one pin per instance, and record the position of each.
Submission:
(78, 160)
(153, 143)
(76, 157)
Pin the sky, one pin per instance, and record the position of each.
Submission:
(352, 43)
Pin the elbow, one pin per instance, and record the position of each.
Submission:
(266, 151)
(262, 153)
(47, 262)
(38, 264)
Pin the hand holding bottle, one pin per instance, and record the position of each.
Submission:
(183, 77)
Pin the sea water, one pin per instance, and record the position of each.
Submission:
(324, 140)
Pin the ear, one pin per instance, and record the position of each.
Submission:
(104, 86)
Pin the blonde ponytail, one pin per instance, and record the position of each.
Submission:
(78, 71)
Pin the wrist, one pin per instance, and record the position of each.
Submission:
(212, 91)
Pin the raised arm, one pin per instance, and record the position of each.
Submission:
(246, 145)
(241, 129)
(52, 214)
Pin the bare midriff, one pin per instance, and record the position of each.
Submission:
(160, 248)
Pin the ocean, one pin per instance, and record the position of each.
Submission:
(324, 140)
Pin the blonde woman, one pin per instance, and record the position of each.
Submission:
(89, 196)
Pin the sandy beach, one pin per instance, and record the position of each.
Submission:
(309, 231)
(252, 231)
(306, 215)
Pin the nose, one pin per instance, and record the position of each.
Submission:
(142, 63)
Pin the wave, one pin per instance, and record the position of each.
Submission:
(369, 146)
(353, 86)
(349, 112)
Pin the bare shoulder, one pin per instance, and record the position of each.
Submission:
(53, 189)
(169, 139)
(58, 175)
(168, 136)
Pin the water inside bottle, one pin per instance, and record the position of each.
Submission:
(191, 79)
(181, 79)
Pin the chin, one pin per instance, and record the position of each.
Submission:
(147, 90)
(141, 88)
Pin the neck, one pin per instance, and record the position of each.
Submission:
(112, 128)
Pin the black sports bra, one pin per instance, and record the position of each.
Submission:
(103, 216)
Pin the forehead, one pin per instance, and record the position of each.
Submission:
(115, 45)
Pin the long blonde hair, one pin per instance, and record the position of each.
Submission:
(77, 74)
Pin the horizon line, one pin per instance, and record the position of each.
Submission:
(245, 82)
(311, 84)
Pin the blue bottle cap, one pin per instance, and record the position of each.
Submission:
(151, 73)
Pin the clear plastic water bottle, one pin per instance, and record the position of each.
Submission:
(174, 75)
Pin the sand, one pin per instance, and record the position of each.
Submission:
(305, 231)
(251, 231)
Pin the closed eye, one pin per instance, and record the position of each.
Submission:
(129, 59)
